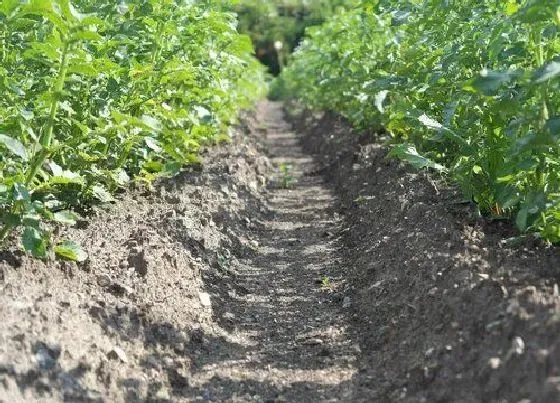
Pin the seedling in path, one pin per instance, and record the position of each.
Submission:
(288, 180)
(326, 284)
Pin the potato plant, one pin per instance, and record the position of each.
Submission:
(466, 87)
(98, 93)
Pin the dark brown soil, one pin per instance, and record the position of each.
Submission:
(343, 277)
(212, 287)
(445, 309)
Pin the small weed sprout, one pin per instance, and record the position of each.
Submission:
(288, 179)
(326, 284)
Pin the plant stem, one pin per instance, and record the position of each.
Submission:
(540, 62)
(156, 49)
(540, 59)
(4, 233)
(46, 137)
(4, 41)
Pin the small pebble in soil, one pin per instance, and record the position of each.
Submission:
(294, 241)
(517, 346)
(117, 353)
(313, 342)
(494, 362)
(103, 280)
(205, 299)
(163, 394)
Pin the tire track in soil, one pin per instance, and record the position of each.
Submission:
(292, 330)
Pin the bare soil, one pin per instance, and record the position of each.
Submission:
(342, 277)
(446, 306)
(208, 288)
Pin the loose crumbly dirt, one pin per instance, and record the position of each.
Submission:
(213, 287)
(343, 277)
(444, 307)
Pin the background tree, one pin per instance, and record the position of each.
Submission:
(277, 27)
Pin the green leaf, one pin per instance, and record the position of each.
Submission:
(173, 168)
(379, 99)
(203, 114)
(9, 6)
(553, 125)
(153, 144)
(65, 217)
(547, 72)
(489, 82)
(88, 36)
(431, 123)
(511, 8)
(70, 13)
(10, 219)
(44, 8)
(70, 250)
(65, 178)
(100, 193)
(151, 123)
(83, 69)
(15, 146)
(521, 220)
(121, 177)
(35, 242)
(408, 153)
(536, 11)
(21, 193)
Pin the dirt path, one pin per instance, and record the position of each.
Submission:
(218, 285)
(294, 335)
(363, 281)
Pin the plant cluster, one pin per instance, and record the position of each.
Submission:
(465, 87)
(98, 93)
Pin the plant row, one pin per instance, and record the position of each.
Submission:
(96, 94)
(469, 88)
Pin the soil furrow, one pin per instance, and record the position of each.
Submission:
(217, 285)
(298, 336)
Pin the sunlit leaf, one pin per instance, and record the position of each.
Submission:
(13, 145)
(70, 250)
(547, 72)
(66, 217)
(408, 153)
(34, 242)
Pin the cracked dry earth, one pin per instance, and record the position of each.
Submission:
(294, 331)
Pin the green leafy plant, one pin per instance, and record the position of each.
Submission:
(288, 180)
(467, 88)
(326, 284)
(99, 93)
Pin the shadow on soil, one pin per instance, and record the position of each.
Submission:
(270, 294)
